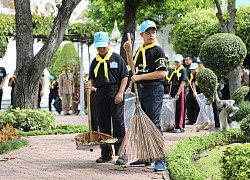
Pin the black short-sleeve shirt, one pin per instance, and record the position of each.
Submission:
(116, 71)
(179, 77)
(2, 74)
(155, 59)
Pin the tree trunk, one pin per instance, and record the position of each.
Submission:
(129, 22)
(30, 68)
(228, 26)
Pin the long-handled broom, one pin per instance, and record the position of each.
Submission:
(143, 141)
(90, 139)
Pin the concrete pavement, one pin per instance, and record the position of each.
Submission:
(53, 157)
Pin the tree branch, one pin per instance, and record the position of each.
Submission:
(57, 32)
(220, 17)
(232, 12)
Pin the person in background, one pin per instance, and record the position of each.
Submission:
(169, 71)
(178, 79)
(189, 59)
(41, 90)
(3, 77)
(191, 96)
(12, 82)
(53, 90)
(76, 93)
(66, 87)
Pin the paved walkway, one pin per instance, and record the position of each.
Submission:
(55, 157)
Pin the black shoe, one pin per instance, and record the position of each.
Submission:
(66, 114)
(104, 159)
(121, 160)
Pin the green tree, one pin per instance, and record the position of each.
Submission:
(68, 55)
(128, 13)
(30, 67)
(188, 34)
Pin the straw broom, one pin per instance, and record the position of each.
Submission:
(143, 140)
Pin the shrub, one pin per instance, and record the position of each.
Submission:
(207, 81)
(3, 45)
(245, 125)
(222, 53)
(244, 110)
(235, 162)
(27, 119)
(179, 159)
(240, 94)
(192, 30)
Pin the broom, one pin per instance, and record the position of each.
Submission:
(92, 138)
(143, 140)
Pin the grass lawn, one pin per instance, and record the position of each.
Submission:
(209, 161)
(10, 145)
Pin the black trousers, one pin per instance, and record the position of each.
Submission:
(94, 122)
(151, 98)
(51, 97)
(216, 114)
(192, 107)
(180, 107)
(107, 109)
(11, 96)
(1, 96)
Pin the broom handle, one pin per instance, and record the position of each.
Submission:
(89, 115)
(133, 71)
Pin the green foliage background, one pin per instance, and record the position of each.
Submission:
(188, 34)
(66, 54)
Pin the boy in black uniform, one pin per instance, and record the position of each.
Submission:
(177, 91)
(2, 81)
(193, 105)
(53, 90)
(168, 73)
(108, 73)
(150, 63)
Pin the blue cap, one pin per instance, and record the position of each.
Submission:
(193, 66)
(178, 58)
(147, 24)
(14, 70)
(51, 78)
(101, 39)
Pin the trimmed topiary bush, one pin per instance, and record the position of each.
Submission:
(27, 119)
(222, 53)
(207, 81)
(192, 30)
(244, 110)
(240, 94)
(235, 163)
(245, 125)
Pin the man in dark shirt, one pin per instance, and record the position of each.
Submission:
(108, 73)
(53, 90)
(168, 73)
(178, 79)
(2, 81)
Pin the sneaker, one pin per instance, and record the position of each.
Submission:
(121, 160)
(207, 127)
(214, 129)
(178, 131)
(160, 166)
(104, 159)
(150, 165)
(137, 164)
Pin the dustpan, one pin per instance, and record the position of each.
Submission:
(88, 140)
